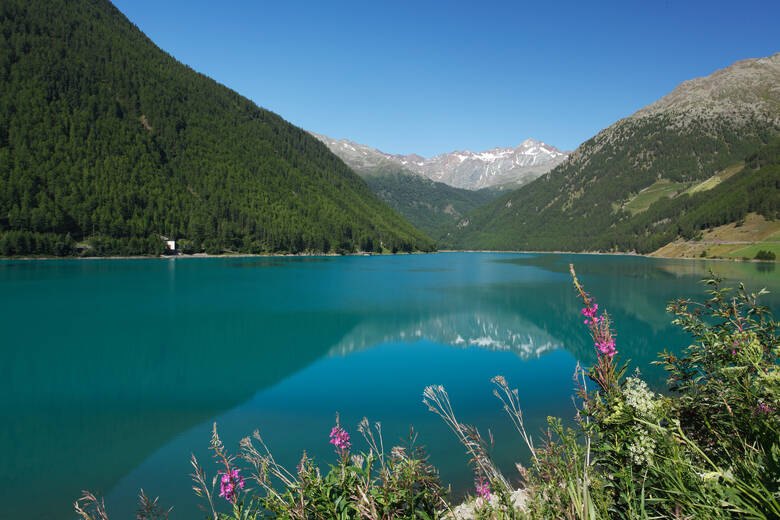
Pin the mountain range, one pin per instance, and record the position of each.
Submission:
(707, 151)
(108, 144)
(435, 194)
(497, 167)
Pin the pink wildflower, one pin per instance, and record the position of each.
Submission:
(228, 483)
(606, 346)
(590, 311)
(601, 332)
(340, 439)
(763, 408)
(483, 489)
(599, 328)
(603, 337)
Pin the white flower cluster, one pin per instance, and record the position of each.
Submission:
(640, 398)
(641, 449)
(642, 401)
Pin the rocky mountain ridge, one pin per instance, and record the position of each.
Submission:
(506, 167)
(704, 126)
(747, 87)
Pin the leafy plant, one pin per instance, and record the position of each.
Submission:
(710, 449)
(371, 485)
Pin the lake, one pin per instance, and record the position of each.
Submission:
(114, 371)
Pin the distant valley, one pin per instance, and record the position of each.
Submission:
(435, 194)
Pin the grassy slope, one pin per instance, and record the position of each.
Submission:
(716, 179)
(665, 188)
(729, 241)
(660, 188)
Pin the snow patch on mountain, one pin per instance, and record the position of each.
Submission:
(510, 167)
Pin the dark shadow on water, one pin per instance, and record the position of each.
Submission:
(110, 404)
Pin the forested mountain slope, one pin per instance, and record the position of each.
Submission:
(433, 207)
(106, 138)
(703, 127)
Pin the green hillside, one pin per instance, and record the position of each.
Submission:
(574, 206)
(613, 191)
(106, 139)
(433, 207)
(755, 189)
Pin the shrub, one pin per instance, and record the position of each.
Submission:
(710, 449)
(401, 484)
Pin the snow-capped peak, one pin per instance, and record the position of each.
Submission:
(462, 169)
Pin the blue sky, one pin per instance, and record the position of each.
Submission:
(432, 77)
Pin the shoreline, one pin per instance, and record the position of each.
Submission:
(205, 255)
(620, 253)
(312, 255)
(602, 253)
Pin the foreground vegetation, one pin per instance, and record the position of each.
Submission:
(709, 448)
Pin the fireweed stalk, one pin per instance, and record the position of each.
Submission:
(600, 328)
(483, 488)
(341, 441)
(229, 479)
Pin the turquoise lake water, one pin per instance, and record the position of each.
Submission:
(115, 370)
